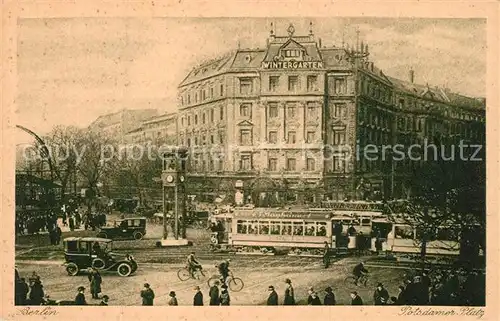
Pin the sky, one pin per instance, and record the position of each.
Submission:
(70, 71)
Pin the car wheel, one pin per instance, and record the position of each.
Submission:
(103, 235)
(98, 263)
(124, 269)
(72, 269)
(138, 235)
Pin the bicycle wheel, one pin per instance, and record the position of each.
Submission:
(350, 281)
(212, 279)
(236, 284)
(183, 274)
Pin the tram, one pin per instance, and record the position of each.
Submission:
(297, 231)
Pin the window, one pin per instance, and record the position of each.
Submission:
(182, 121)
(290, 164)
(311, 110)
(196, 141)
(196, 119)
(293, 83)
(338, 137)
(245, 163)
(245, 137)
(273, 83)
(401, 103)
(203, 118)
(291, 137)
(310, 164)
(339, 110)
(246, 110)
(212, 92)
(211, 164)
(340, 86)
(189, 120)
(246, 85)
(403, 232)
(221, 112)
(273, 110)
(291, 112)
(273, 137)
(292, 53)
(272, 164)
(339, 163)
(196, 97)
(204, 94)
(221, 138)
(189, 141)
(212, 113)
(312, 83)
(182, 101)
(222, 90)
(189, 98)
(310, 137)
(212, 139)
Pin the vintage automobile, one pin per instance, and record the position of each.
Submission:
(127, 228)
(83, 253)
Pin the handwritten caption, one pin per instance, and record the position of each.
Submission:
(46, 311)
(463, 311)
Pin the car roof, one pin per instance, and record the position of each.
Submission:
(87, 239)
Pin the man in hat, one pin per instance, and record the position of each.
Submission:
(273, 296)
(380, 295)
(289, 294)
(225, 299)
(224, 270)
(173, 299)
(80, 297)
(104, 300)
(193, 264)
(356, 299)
(313, 298)
(147, 295)
(198, 297)
(329, 297)
(214, 293)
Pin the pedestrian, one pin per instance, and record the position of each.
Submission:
(273, 296)
(36, 293)
(21, 291)
(173, 299)
(329, 297)
(224, 299)
(95, 283)
(356, 299)
(326, 255)
(289, 294)
(104, 300)
(313, 298)
(80, 296)
(71, 223)
(147, 295)
(214, 293)
(58, 234)
(198, 297)
(380, 295)
(401, 299)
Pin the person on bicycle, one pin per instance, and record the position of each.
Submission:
(193, 264)
(359, 271)
(224, 270)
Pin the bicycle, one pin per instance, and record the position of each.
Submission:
(183, 274)
(351, 280)
(235, 284)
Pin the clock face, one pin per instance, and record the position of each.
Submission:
(170, 178)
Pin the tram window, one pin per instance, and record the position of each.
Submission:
(419, 234)
(321, 229)
(286, 228)
(403, 232)
(253, 227)
(298, 228)
(446, 234)
(310, 229)
(275, 228)
(365, 222)
(264, 227)
(242, 227)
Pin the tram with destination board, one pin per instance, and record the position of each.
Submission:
(298, 231)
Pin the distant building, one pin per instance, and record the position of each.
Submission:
(160, 129)
(277, 123)
(118, 124)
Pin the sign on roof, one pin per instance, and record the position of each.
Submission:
(281, 215)
(292, 65)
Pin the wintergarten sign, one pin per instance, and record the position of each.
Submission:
(292, 65)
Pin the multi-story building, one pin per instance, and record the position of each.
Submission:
(286, 121)
(158, 129)
(118, 124)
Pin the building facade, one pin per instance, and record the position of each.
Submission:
(160, 129)
(284, 123)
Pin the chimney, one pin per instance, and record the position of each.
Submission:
(411, 75)
(319, 42)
